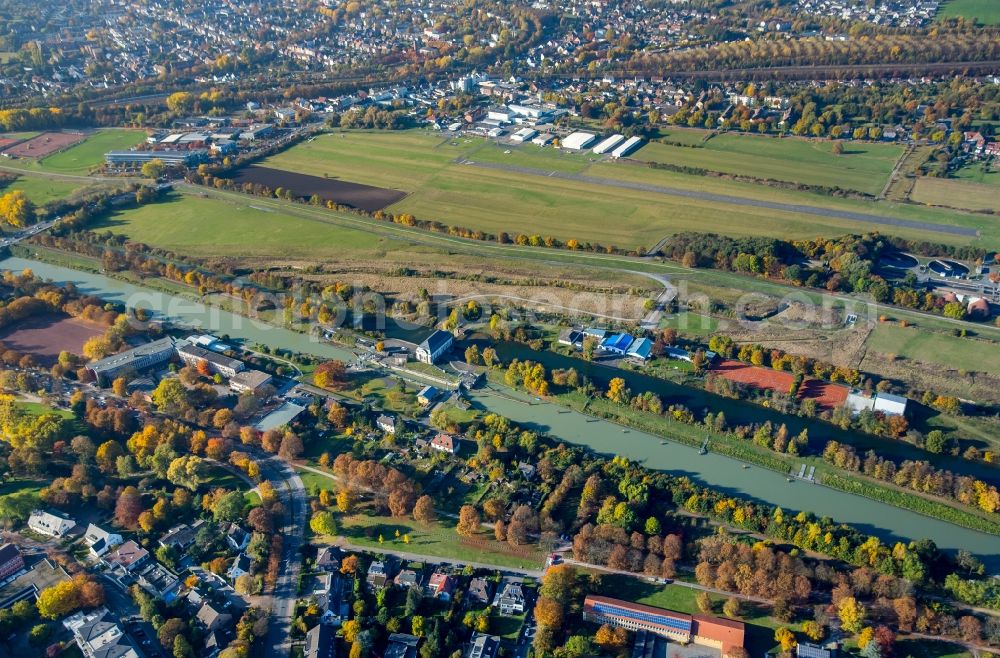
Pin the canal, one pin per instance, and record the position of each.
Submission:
(885, 521)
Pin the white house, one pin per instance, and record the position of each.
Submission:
(99, 540)
(434, 346)
(50, 524)
(241, 566)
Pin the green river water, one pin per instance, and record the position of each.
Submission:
(885, 521)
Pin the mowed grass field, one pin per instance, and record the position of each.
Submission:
(41, 190)
(862, 167)
(986, 12)
(956, 193)
(934, 348)
(429, 168)
(212, 227)
(79, 159)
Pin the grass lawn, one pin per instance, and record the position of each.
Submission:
(424, 165)
(963, 194)
(986, 12)
(930, 649)
(385, 393)
(20, 486)
(690, 324)
(460, 417)
(862, 166)
(686, 136)
(212, 227)
(929, 347)
(41, 190)
(507, 627)
(82, 157)
(435, 540)
(979, 173)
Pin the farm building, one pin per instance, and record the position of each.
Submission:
(887, 403)
(608, 144)
(434, 346)
(641, 348)
(133, 360)
(631, 144)
(578, 140)
(523, 135)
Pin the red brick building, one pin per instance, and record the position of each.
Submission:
(10, 561)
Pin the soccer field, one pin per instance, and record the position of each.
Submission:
(446, 181)
(863, 167)
(79, 159)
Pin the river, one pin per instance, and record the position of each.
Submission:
(884, 521)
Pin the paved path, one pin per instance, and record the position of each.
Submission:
(734, 200)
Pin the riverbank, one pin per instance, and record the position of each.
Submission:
(722, 473)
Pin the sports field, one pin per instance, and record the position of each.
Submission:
(986, 12)
(863, 167)
(79, 159)
(434, 170)
(211, 227)
(934, 348)
(956, 193)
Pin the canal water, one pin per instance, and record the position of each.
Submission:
(887, 522)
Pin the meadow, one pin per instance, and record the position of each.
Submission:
(935, 348)
(986, 12)
(862, 166)
(428, 167)
(211, 227)
(962, 194)
(41, 190)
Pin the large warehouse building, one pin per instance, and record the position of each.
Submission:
(608, 144)
(631, 144)
(578, 141)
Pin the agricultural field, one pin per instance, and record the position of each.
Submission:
(986, 12)
(365, 197)
(862, 166)
(429, 168)
(45, 336)
(934, 348)
(957, 193)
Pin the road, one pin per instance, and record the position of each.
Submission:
(293, 495)
(699, 195)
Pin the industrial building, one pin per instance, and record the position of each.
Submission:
(171, 158)
(631, 144)
(578, 141)
(608, 144)
(523, 135)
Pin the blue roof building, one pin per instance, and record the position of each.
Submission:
(617, 343)
(641, 348)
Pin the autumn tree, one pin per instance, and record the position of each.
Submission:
(128, 508)
(423, 510)
(16, 209)
(330, 374)
(323, 523)
(468, 521)
(851, 614)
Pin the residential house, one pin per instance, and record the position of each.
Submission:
(510, 599)
(386, 423)
(180, 538)
(240, 567)
(444, 443)
(11, 561)
(407, 578)
(435, 346)
(99, 540)
(483, 646)
(212, 619)
(527, 470)
(328, 559)
(401, 645)
(321, 642)
(378, 575)
(441, 586)
(237, 537)
(98, 636)
(157, 580)
(127, 558)
(331, 591)
(479, 591)
(50, 524)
